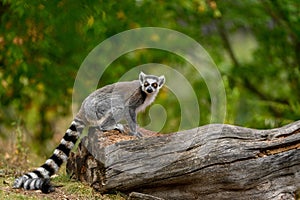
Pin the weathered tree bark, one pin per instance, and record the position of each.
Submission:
(210, 162)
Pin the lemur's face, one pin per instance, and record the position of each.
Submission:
(150, 83)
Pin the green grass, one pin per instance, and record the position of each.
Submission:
(16, 159)
(66, 189)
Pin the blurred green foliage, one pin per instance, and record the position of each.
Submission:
(255, 44)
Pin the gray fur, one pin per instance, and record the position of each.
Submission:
(104, 109)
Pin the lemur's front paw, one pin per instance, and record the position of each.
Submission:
(136, 134)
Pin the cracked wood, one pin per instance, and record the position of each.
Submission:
(215, 161)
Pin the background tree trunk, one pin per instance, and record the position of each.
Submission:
(211, 162)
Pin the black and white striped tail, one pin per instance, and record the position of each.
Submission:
(39, 179)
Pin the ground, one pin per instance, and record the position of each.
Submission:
(66, 189)
(17, 160)
(14, 161)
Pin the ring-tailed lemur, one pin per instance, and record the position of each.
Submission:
(104, 108)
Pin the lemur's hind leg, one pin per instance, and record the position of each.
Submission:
(120, 128)
(109, 122)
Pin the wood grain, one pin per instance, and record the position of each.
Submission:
(216, 161)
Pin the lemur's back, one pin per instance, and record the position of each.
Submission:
(124, 88)
(104, 108)
(111, 98)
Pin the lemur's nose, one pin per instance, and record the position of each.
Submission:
(149, 90)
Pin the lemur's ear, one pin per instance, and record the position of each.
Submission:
(142, 77)
(161, 81)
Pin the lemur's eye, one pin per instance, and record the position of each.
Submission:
(154, 85)
(146, 84)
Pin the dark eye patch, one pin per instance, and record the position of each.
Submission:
(154, 85)
(146, 84)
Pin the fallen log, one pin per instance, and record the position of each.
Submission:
(215, 161)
